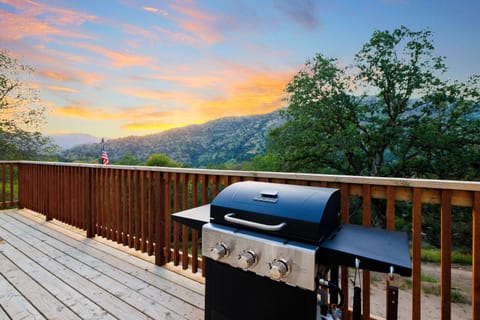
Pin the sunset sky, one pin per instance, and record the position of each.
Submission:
(133, 67)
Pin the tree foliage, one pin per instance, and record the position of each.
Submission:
(389, 114)
(128, 160)
(160, 160)
(21, 113)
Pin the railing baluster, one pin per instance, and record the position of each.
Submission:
(138, 207)
(184, 181)
(366, 221)
(12, 186)
(446, 251)
(160, 219)
(143, 219)
(130, 208)
(124, 198)
(344, 217)
(476, 254)
(416, 252)
(150, 219)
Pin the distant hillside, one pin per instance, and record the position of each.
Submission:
(224, 141)
(69, 140)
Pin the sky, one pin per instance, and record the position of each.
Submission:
(115, 68)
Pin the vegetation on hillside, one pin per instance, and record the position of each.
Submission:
(222, 142)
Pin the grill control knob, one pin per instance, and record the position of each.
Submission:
(279, 268)
(219, 251)
(246, 259)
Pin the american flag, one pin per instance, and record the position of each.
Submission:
(104, 154)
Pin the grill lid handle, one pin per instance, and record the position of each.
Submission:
(267, 227)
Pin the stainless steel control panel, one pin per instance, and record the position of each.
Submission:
(279, 259)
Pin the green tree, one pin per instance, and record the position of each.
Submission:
(389, 114)
(129, 160)
(21, 114)
(160, 160)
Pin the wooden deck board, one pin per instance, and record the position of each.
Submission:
(74, 277)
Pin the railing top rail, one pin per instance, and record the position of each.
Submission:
(381, 181)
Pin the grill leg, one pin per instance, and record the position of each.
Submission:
(334, 279)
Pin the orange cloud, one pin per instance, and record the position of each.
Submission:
(137, 31)
(15, 27)
(117, 59)
(53, 15)
(62, 89)
(200, 24)
(156, 10)
(193, 81)
(34, 19)
(79, 110)
(178, 36)
(154, 126)
(87, 78)
(259, 93)
(156, 94)
(57, 76)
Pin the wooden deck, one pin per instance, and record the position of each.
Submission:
(50, 271)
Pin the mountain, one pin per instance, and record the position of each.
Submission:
(227, 140)
(69, 140)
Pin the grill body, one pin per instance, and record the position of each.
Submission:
(267, 245)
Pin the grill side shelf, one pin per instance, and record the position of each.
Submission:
(194, 218)
(377, 249)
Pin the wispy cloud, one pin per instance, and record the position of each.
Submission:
(49, 13)
(156, 125)
(62, 89)
(34, 19)
(81, 110)
(156, 11)
(137, 31)
(87, 78)
(199, 24)
(300, 11)
(117, 59)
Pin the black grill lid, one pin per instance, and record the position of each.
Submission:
(291, 211)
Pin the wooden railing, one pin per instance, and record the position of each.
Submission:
(132, 206)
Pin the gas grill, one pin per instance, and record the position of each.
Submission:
(269, 247)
